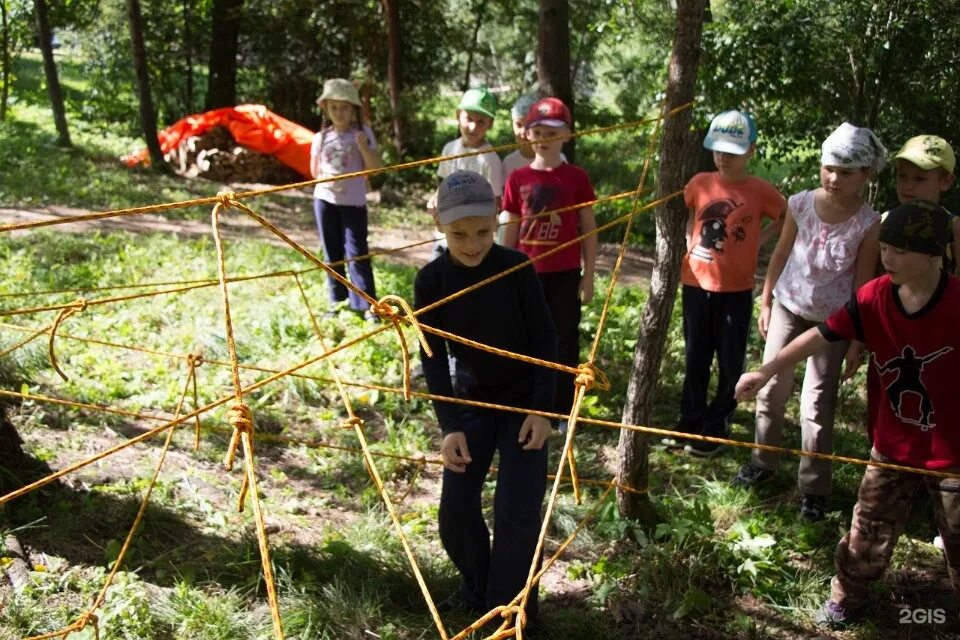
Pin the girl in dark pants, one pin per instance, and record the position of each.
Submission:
(340, 207)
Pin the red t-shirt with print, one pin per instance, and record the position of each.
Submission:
(917, 356)
(531, 191)
(726, 230)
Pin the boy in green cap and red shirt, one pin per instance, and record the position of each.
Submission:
(907, 318)
(476, 112)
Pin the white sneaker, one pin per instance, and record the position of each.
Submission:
(938, 542)
(562, 427)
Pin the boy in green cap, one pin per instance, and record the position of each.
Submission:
(475, 114)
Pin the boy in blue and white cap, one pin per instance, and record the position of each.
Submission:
(723, 239)
(466, 215)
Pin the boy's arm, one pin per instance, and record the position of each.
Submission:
(509, 232)
(688, 230)
(955, 245)
(802, 347)
(864, 269)
(588, 223)
(771, 230)
(542, 336)
(315, 166)
(778, 260)
(436, 370)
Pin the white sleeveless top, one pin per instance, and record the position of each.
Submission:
(818, 276)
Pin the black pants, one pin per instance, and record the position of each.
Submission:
(493, 577)
(562, 290)
(713, 324)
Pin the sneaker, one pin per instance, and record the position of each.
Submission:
(831, 615)
(456, 603)
(750, 476)
(674, 443)
(703, 449)
(370, 317)
(938, 542)
(562, 427)
(813, 508)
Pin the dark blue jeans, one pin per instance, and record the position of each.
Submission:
(714, 324)
(562, 291)
(343, 234)
(492, 577)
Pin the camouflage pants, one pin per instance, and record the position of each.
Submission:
(882, 509)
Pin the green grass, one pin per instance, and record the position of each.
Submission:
(721, 563)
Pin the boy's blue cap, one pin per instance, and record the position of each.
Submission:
(731, 132)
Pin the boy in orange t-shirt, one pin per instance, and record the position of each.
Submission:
(723, 239)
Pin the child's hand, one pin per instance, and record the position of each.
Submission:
(586, 288)
(534, 432)
(454, 452)
(749, 385)
(853, 359)
(363, 143)
(763, 322)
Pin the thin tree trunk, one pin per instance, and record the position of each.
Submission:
(553, 56)
(391, 10)
(224, 36)
(50, 72)
(188, 52)
(5, 60)
(148, 118)
(677, 151)
(480, 11)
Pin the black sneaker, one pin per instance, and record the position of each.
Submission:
(832, 615)
(456, 603)
(750, 476)
(703, 449)
(813, 508)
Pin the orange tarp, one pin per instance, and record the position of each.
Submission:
(251, 125)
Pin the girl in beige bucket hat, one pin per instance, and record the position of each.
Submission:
(344, 145)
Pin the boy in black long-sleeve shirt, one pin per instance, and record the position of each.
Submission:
(510, 313)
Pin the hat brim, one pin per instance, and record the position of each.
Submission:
(467, 210)
(726, 146)
(548, 122)
(919, 159)
(327, 96)
(476, 109)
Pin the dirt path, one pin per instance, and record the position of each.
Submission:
(636, 268)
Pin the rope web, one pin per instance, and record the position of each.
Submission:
(398, 316)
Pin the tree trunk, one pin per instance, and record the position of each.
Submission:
(224, 35)
(553, 57)
(188, 52)
(678, 152)
(480, 11)
(50, 72)
(4, 58)
(148, 118)
(391, 10)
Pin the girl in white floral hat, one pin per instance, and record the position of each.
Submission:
(344, 145)
(828, 248)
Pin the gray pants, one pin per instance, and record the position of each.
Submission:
(818, 401)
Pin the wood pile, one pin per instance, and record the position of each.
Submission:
(216, 156)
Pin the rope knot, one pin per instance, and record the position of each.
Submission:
(194, 360)
(225, 198)
(77, 306)
(353, 422)
(388, 308)
(240, 418)
(80, 304)
(588, 375)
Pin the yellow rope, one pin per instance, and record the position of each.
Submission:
(241, 419)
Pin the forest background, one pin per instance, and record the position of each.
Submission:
(719, 563)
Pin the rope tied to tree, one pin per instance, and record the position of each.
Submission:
(77, 306)
(388, 308)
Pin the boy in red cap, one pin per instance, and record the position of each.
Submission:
(549, 183)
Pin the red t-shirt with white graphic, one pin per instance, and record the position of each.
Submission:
(531, 191)
(917, 356)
